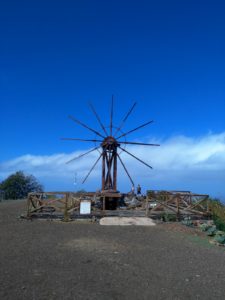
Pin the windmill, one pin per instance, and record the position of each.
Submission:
(108, 145)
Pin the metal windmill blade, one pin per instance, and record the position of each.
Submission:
(109, 145)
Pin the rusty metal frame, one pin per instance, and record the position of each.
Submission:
(109, 145)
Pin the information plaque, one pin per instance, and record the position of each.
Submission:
(85, 207)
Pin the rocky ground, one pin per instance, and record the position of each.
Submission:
(55, 260)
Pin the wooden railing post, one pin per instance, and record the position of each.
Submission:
(66, 217)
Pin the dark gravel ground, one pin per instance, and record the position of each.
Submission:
(55, 260)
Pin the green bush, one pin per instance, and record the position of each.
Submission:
(18, 185)
(168, 217)
(220, 224)
(218, 213)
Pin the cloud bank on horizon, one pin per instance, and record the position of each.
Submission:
(180, 163)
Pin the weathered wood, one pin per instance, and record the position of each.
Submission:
(67, 203)
(179, 202)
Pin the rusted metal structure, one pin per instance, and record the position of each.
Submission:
(108, 145)
(67, 205)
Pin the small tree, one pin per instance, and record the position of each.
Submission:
(18, 185)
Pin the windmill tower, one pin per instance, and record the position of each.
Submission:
(108, 144)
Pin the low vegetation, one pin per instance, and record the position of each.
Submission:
(218, 213)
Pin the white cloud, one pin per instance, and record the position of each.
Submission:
(179, 163)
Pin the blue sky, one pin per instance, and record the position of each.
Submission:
(55, 56)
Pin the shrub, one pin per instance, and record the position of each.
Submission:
(18, 185)
(218, 213)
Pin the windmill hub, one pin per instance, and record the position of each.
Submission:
(109, 141)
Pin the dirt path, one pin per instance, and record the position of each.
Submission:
(54, 260)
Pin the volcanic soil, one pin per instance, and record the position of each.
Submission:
(42, 259)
